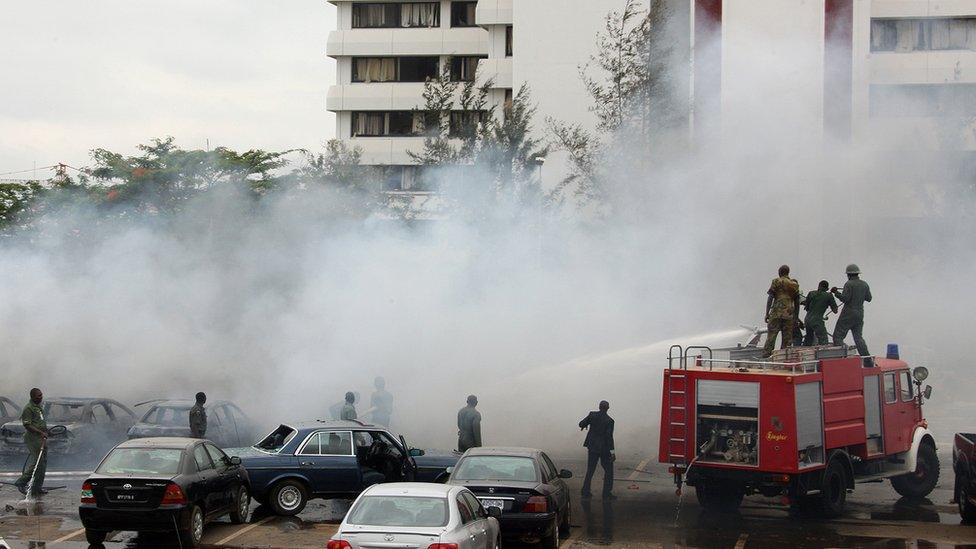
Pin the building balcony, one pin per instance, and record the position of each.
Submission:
(494, 12)
(499, 70)
(387, 151)
(386, 42)
(922, 67)
(386, 96)
(921, 8)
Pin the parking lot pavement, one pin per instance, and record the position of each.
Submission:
(647, 513)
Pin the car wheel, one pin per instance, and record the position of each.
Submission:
(922, 481)
(95, 537)
(242, 504)
(552, 540)
(564, 525)
(288, 498)
(193, 533)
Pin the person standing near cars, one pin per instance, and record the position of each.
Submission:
(599, 447)
(469, 425)
(381, 403)
(349, 408)
(198, 417)
(35, 438)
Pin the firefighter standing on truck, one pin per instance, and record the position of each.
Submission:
(816, 304)
(851, 319)
(783, 293)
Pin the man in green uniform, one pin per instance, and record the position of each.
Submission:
(35, 438)
(469, 425)
(851, 319)
(381, 403)
(198, 417)
(349, 409)
(816, 305)
(780, 309)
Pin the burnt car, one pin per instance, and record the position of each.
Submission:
(227, 425)
(93, 425)
(8, 410)
(163, 485)
(334, 459)
(525, 485)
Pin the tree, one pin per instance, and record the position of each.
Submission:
(507, 149)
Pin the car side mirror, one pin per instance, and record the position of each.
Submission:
(416, 452)
(927, 392)
(565, 473)
(449, 470)
(234, 460)
(494, 512)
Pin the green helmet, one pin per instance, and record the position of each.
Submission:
(853, 269)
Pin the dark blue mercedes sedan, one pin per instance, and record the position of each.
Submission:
(334, 459)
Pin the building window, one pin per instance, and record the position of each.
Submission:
(465, 68)
(404, 178)
(396, 14)
(922, 100)
(464, 124)
(907, 35)
(508, 41)
(394, 69)
(463, 14)
(392, 123)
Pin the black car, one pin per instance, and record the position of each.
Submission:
(163, 485)
(93, 425)
(227, 425)
(8, 410)
(522, 482)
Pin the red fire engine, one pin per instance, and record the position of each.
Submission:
(806, 424)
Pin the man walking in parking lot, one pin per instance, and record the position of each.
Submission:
(599, 446)
(35, 438)
(469, 425)
(198, 417)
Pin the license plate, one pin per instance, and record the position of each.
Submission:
(125, 497)
(500, 503)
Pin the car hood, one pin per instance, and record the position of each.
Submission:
(17, 428)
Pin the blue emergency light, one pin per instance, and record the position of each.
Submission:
(893, 351)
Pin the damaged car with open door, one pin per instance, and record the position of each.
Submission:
(92, 427)
(333, 459)
(227, 425)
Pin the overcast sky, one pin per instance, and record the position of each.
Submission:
(115, 73)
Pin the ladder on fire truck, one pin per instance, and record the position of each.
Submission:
(677, 404)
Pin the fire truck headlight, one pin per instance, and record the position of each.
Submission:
(921, 373)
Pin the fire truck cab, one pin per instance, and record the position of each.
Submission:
(807, 425)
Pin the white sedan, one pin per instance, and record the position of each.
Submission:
(418, 515)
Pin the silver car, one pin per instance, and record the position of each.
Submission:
(418, 515)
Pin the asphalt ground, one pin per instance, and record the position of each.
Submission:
(647, 513)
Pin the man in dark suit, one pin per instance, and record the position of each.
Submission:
(599, 446)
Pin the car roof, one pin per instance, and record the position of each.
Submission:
(72, 400)
(160, 442)
(509, 451)
(188, 403)
(336, 424)
(417, 489)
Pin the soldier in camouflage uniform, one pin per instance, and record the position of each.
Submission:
(851, 319)
(816, 305)
(198, 417)
(35, 438)
(780, 310)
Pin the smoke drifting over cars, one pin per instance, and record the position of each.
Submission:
(285, 307)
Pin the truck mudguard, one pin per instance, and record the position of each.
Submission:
(921, 436)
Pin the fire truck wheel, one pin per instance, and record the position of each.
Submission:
(719, 497)
(966, 508)
(833, 489)
(920, 483)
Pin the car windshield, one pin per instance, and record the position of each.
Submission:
(277, 439)
(399, 511)
(496, 468)
(167, 415)
(62, 412)
(142, 461)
